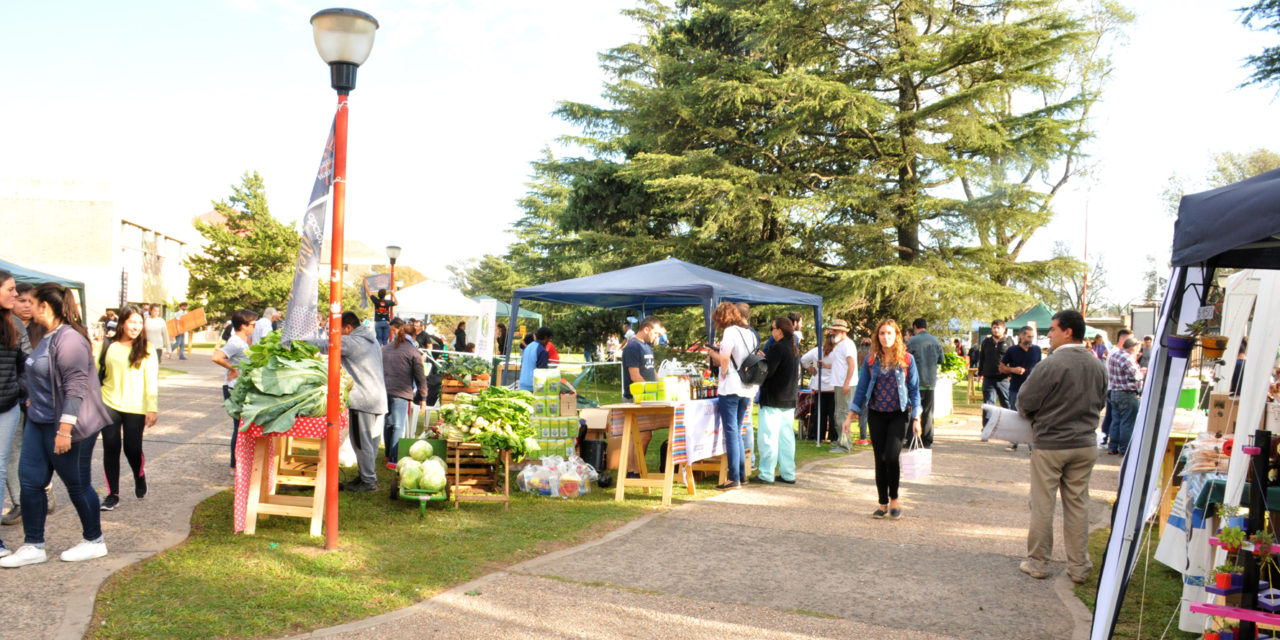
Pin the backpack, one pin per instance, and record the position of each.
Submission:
(753, 370)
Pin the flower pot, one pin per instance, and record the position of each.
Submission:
(1237, 579)
(1212, 635)
(1213, 346)
(1179, 346)
(1222, 580)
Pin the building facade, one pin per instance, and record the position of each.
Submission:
(73, 229)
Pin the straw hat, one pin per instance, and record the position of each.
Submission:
(839, 325)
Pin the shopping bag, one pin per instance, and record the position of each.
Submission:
(916, 461)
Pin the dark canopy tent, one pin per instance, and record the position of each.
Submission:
(33, 277)
(662, 284)
(1236, 226)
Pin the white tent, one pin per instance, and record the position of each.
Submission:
(434, 298)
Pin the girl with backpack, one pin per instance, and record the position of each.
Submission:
(736, 344)
(889, 395)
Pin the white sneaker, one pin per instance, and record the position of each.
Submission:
(4, 551)
(84, 551)
(25, 555)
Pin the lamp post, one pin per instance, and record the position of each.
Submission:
(344, 38)
(393, 252)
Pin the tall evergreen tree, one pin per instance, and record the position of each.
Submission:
(893, 156)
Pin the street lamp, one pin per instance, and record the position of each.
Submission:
(344, 38)
(393, 252)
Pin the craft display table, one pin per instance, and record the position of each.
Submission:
(1172, 450)
(695, 436)
(265, 461)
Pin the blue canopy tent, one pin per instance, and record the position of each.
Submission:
(662, 284)
(33, 277)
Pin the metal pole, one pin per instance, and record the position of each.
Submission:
(334, 400)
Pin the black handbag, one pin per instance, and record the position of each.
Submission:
(753, 370)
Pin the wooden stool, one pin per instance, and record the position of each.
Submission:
(265, 503)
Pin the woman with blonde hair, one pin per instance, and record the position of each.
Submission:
(736, 343)
(889, 395)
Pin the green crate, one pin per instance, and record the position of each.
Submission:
(439, 448)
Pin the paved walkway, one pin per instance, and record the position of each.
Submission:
(764, 562)
(790, 562)
(187, 458)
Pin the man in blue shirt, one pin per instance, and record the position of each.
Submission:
(637, 357)
(1017, 363)
(534, 356)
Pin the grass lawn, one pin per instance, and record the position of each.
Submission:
(218, 584)
(1157, 594)
(166, 372)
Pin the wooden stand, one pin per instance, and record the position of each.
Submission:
(450, 388)
(265, 503)
(475, 479)
(630, 436)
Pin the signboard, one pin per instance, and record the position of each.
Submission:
(484, 328)
(190, 321)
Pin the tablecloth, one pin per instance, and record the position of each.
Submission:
(247, 441)
(695, 429)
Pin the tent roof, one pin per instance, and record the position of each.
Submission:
(31, 276)
(1238, 224)
(431, 297)
(504, 309)
(666, 283)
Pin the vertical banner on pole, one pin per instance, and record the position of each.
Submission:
(300, 319)
(484, 328)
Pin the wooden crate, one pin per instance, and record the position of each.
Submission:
(472, 478)
(450, 388)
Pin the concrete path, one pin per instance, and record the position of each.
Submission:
(791, 562)
(187, 460)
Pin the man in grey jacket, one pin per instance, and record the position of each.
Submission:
(1062, 398)
(362, 358)
(927, 352)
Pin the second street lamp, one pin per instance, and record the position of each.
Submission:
(393, 252)
(344, 38)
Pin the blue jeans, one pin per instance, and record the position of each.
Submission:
(731, 410)
(1125, 406)
(382, 330)
(235, 425)
(9, 421)
(36, 469)
(994, 393)
(393, 426)
(181, 342)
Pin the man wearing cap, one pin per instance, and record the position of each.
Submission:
(843, 367)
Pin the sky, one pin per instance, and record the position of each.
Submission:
(170, 103)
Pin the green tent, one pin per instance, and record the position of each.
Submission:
(504, 310)
(1038, 313)
(33, 277)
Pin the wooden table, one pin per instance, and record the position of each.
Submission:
(265, 461)
(632, 454)
(973, 382)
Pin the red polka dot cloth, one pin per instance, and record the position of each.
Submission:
(247, 441)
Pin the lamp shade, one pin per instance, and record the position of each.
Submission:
(393, 252)
(343, 35)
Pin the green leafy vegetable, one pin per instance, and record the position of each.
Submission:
(278, 383)
(497, 418)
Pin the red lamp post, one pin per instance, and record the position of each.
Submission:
(393, 254)
(344, 38)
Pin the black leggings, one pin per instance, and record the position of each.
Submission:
(827, 429)
(888, 429)
(132, 425)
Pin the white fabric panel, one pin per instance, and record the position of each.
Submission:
(1242, 292)
(1257, 375)
(1142, 461)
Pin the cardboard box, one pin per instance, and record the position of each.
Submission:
(1223, 410)
(569, 407)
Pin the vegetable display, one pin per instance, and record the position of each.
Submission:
(278, 383)
(497, 418)
(464, 368)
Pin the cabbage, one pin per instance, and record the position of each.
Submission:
(403, 461)
(411, 477)
(432, 465)
(420, 450)
(433, 481)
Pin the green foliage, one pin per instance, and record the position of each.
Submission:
(894, 159)
(1263, 15)
(954, 367)
(247, 262)
(1231, 537)
(463, 367)
(279, 383)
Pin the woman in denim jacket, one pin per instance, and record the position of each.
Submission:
(889, 395)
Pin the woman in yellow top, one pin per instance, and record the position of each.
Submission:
(130, 389)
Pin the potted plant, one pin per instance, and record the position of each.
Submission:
(1180, 345)
(1213, 345)
(1262, 542)
(1232, 515)
(1224, 575)
(1231, 538)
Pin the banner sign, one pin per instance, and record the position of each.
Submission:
(300, 318)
